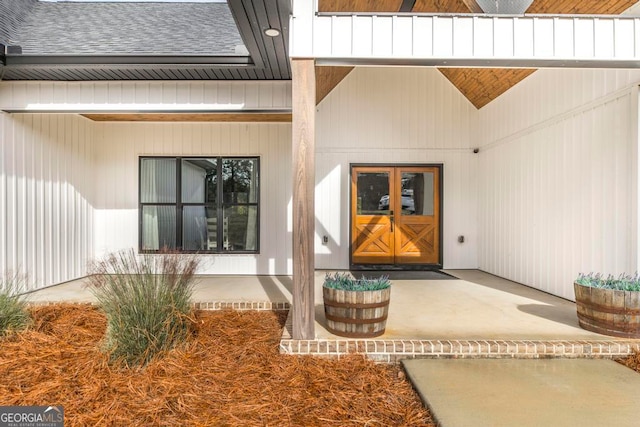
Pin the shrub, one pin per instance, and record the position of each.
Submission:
(624, 282)
(13, 307)
(345, 281)
(147, 302)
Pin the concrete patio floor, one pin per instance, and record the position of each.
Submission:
(479, 306)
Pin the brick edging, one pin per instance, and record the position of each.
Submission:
(243, 305)
(211, 305)
(392, 351)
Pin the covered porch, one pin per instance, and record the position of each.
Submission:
(519, 195)
(529, 178)
(474, 314)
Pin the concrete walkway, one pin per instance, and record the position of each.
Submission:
(523, 393)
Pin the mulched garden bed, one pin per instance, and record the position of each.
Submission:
(229, 373)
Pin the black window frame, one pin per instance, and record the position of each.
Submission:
(219, 205)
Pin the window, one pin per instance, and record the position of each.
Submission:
(199, 204)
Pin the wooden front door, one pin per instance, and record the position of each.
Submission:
(395, 215)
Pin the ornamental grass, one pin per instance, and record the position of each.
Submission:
(147, 301)
(13, 310)
(228, 372)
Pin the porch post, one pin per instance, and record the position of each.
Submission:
(303, 134)
(635, 170)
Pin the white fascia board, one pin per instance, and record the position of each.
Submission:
(473, 40)
(145, 96)
(301, 24)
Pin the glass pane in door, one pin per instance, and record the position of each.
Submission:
(373, 193)
(417, 193)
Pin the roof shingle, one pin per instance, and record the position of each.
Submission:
(126, 29)
(12, 14)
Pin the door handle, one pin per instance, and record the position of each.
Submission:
(392, 220)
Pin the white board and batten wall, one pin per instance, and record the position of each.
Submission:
(552, 192)
(69, 186)
(46, 197)
(415, 116)
(137, 96)
(396, 116)
(118, 147)
(558, 178)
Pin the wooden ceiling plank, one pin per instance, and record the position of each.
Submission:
(473, 6)
(482, 85)
(444, 6)
(594, 7)
(327, 78)
(359, 5)
(191, 117)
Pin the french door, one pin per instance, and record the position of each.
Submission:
(395, 215)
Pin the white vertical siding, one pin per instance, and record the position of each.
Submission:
(145, 95)
(463, 40)
(396, 115)
(46, 190)
(558, 178)
(119, 146)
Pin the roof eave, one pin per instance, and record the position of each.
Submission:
(124, 60)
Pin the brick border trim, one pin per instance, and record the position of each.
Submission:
(211, 305)
(392, 351)
(243, 305)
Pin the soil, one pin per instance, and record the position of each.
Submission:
(229, 373)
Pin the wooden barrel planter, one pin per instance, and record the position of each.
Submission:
(356, 314)
(608, 311)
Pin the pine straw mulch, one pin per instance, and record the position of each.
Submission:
(229, 373)
(632, 361)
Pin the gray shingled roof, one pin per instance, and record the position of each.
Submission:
(126, 29)
(12, 14)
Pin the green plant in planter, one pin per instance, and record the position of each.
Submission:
(624, 282)
(609, 305)
(346, 282)
(356, 308)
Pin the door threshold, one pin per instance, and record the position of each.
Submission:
(395, 267)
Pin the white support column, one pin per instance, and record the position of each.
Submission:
(301, 26)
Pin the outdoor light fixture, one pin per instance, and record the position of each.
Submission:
(272, 32)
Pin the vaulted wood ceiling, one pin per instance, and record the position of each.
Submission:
(479, 85)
